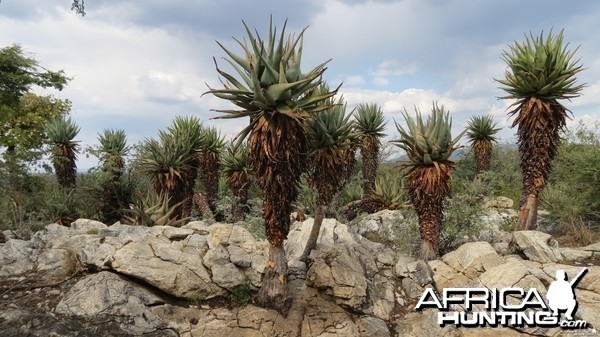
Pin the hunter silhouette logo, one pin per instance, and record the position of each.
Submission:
(561, 294)
(511, 307)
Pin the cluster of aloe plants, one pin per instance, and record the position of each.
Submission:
(299, 128)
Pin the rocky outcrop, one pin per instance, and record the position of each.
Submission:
(96, 280)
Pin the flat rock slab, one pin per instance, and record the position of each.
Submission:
(108, 295)
(176, 271)
(538, 246)
(473, 258)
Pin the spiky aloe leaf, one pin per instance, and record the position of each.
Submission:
(482, 128)
(541, 72)
(113, 147)
(269, 79)
(389, 192)
(370, 120)
(481, 132)
(541, 67)
(236, 165)
(61, 132)
(427, 142)
(211, 141)
(188, 131)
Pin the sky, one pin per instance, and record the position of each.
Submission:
(135, 65)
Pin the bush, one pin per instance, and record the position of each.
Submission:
(241, 294)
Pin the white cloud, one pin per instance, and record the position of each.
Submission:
(352, 80)
(135, 65)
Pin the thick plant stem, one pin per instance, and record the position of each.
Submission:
(314, 232)
(274, 292)
(428, 251)
(528, 214)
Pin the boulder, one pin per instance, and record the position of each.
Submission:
(108, 296)
(176, 271)
(87, 226)
(381, 226)
(573, 254)
(445, 276)
(16, 258)
(424, 323)
(419, 272)
(335, 272)
(473, 258)
(537, 246)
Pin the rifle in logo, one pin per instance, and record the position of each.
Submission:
(561, 294)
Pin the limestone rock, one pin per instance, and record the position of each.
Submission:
(15, 258)
(199, 227)
(372, 327)
(445, 276)
(337, 273)
(239, 257)
(418, 324)
(473, 258)
(87, 225)
(538, 246)
(419, 272)
(401, 267)
(572, 254)
(379, 226)
(172, 270)
(174, 233)
(227, 275)
(108, 295)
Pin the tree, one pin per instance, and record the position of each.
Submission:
(330, 137)
(18, 73)
(61, 132)
(23, 115)
(238, 174)
(166, 161)
(429, 146)
(370, 124)
(113, 148)
(481, 131)
(210, 159)
(278, 97)
(540, 72)
(188, 131)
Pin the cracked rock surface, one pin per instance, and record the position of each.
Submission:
(91, 279)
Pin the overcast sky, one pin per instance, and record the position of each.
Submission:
(137, 64)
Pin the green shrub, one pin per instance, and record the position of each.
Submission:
(241, 294)
(256, 226)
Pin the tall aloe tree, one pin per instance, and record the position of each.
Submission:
(188, 132)
(331, 134)
(61, 132)
(541, 71)
(429, 146)
(113, 149)
(278, 97)
(481, 131)
(166, 160)
(238, 174)
(370, 124)
(212, 144)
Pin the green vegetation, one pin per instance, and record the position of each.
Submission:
(301, 155)
(278, 97)
(481, 133)
(429, 146)
(242, 294)
(370, 125)
(541, 71)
